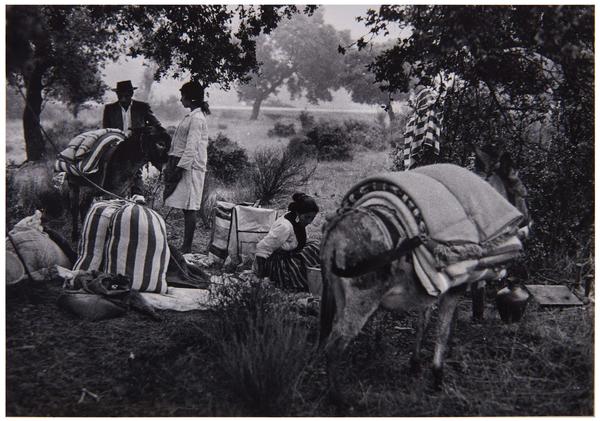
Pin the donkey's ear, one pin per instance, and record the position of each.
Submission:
(484, 157)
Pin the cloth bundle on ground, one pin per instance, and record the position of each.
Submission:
(85, 151)
(36, 249)
(120, 237)
(94, 295)
(237, 229)
(468, 229)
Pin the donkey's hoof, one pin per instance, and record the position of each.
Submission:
(438, 378)
(414, 365)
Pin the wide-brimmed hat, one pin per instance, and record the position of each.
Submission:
(124, 86)
(193, 91)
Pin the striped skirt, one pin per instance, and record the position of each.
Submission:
(287, 269)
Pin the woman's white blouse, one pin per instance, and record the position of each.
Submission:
(280, 236)
(190, 141)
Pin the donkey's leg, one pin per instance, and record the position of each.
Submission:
(422, 323)
(351, 317)
(478, 300)
(447, 307)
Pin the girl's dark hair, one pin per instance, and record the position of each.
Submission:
(203, 106)
(303, 203)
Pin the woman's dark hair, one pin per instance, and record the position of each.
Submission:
(203, 105)
(303, 203)
(194, 91)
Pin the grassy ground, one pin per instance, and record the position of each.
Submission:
(138, 367)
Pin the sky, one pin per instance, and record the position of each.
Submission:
(341, 17)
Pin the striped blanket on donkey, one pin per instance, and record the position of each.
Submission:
(468, 230)
(85, 151)
(124, 238)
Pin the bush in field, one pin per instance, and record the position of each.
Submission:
(63, 131)
(331, 142)
(367, 135)
(307, 121)
(283, 130)
(278, 172)
(259, 345)
(227, 160)
(297, 146)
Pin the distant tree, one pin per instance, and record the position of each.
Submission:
(301, 54)
(145, 88)
(56, 52)
(358, 78)
(213, 43)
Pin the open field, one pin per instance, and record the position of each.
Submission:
(541, 366)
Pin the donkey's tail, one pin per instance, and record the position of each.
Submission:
(328, 304)
(327, 310)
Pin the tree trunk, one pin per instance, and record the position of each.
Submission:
(256, 108)
(390, 112)
(34, 142)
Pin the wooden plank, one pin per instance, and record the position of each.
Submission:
(553, 295)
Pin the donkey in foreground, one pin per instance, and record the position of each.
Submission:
(362, 270)
(117, 169)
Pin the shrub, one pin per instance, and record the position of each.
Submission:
(278, 172)
(307, 121)
(260, 346)
(297, 146)
(367, 135)
(330, 141)
(283, 130)
(227, 160)
(63, 131)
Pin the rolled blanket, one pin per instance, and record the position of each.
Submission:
(468, 229)
(85, 151)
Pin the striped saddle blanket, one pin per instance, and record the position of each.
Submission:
(86, 151)
(468, 230)
(124, 238)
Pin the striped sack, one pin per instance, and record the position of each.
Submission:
(137, 247)
(124, 238)
(85, 151)
(422, 131)
(219, 239)
(95, 233)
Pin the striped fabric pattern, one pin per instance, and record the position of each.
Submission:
(287, 270)
(96, 230)
(219, 240)
(138, 248)
(120, 237)
(423, 130)
(85, 151)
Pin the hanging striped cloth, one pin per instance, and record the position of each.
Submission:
(85, 151)
(422, 135)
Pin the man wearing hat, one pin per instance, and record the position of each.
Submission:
(126, 114)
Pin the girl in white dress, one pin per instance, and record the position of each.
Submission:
(186, 169)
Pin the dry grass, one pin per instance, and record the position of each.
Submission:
(541, 366)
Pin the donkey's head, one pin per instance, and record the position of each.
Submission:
(155, 143)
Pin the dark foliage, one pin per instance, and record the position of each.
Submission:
(227, 160)
(525, 86)
(331, 142)
(281, 129)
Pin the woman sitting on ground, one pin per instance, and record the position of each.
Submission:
(284, 253)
